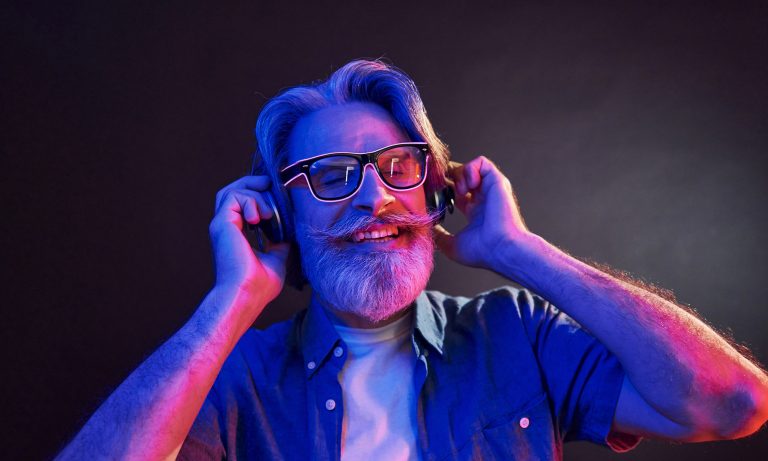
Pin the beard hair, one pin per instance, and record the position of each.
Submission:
(374, 285)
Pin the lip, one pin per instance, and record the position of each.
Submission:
(375, 232)
(400, 241)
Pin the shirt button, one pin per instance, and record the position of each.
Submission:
(426, 352)
(524, 422)
(311, 365)
(330, 404)
(338, 352)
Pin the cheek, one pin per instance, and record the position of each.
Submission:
(307, 210)
(302, 207)
(414, 200)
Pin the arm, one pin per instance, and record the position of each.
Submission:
(149, 415)
(684, 382)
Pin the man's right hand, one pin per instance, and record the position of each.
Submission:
(237, 265)
(149, 415)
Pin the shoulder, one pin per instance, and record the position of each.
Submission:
(503, 310)
(504, 300)
(272, 339)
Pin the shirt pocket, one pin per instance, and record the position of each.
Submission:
(525, 434)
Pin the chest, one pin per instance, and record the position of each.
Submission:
(470, 403)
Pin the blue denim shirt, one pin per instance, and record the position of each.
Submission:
(503, 375)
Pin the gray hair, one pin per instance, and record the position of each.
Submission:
(372, 81)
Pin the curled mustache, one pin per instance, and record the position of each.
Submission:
(346, 227)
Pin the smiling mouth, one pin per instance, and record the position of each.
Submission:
(384, 234)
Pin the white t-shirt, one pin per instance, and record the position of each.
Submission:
(379, 421)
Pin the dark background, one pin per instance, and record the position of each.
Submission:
(634, 136)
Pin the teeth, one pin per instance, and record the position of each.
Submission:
(390, 231)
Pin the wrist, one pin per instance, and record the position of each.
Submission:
(519, 259)
(231, 310)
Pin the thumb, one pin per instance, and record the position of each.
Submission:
(445, 241)
(279, 250)
(276, 256)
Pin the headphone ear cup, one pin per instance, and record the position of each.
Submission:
(279, 229)
(274, 228)
(441, 202)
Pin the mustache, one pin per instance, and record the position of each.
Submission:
(347, 226)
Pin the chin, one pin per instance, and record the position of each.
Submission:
(373, 285)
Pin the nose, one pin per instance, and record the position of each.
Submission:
(373, 196)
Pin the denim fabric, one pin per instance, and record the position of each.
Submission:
(503, 375)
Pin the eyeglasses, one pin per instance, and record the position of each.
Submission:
(336, 176)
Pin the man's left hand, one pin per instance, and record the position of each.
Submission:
(484, 195)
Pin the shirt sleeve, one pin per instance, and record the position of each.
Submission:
(203, 441)
(583, 379)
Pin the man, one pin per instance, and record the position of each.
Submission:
(376, 368)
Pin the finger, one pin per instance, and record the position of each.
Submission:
(482, 173)
(454, 168)
(463, 202)
(472, 173)
(277, 251)
(255, 182)
(237, 206)
(233, 208)
(264, 209)
(250, 210)
(259, 182)
(275, 257)
(456, 172)
(445, 241)
(261, 207)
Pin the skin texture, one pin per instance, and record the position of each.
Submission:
(687, 384)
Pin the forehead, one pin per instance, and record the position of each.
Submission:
(352, 127)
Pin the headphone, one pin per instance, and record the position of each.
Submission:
(275, 229)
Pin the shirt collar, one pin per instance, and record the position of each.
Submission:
(430, 321)
(319, 337)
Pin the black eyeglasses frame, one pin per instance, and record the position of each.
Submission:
(301, 168)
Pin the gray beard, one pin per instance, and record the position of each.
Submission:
(374, 285)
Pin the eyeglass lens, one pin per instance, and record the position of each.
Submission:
(339, 175)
